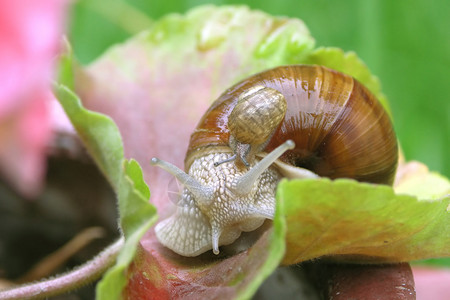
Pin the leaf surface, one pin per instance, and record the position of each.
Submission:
(361, 222)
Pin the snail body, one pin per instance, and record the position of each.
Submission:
(309, 120)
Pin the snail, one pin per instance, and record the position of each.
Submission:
(296, 121)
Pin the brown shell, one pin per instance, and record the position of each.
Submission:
(270, 106)
(339, 128)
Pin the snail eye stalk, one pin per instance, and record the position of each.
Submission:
(244, 184)
(202, 193)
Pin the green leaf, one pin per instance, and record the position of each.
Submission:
(66, 64)
(102, 138)
(362, 222)
(432, 186)
(98, 132)
(414, 178)
(276, 252)
(137, 215)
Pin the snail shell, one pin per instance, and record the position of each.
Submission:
(257, 113)
(300, 118)
(339, 128)
(266, 103)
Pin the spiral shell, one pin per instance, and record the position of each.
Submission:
(256, 115)
(339, 128)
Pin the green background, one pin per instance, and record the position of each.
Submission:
(406, 43)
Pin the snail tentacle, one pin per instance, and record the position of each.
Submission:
(203, 194)
(216, 231)
(244, 184)
(231, 158)
(262, 212)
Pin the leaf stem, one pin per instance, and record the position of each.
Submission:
(80, 276)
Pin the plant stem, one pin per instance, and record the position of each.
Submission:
(82, 275)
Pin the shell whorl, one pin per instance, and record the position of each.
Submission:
(257, 114)
(340, 129)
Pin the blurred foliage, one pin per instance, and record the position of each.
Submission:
(405, 43)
